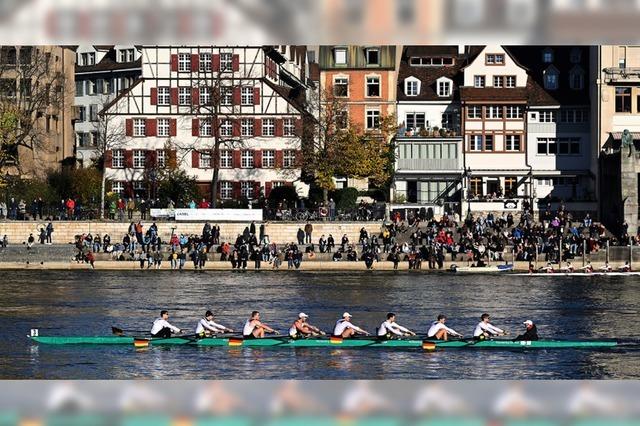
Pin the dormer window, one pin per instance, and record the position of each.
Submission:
(411, 86)
(87, 59)
(125, 55)
(551, 76)
(340, 56)
(494, 59)
(372, 56)
(431, 61)
(547, 56)
(575, 56)
(444, 87)
(576, 78)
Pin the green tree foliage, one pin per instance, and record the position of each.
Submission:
(176, 185)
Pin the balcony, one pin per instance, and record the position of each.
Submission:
(427, 164)
(430, 132)
(615, 74)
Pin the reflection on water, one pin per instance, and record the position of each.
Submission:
(86, 303)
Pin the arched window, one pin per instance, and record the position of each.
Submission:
(576, 78)
(551, 78)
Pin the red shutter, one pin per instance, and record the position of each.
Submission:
(154, 96)
(174, 96)
(267, 189)
(195, 127)
(256, 190)
(195, 96)
(235, 62)
(128, 127)
(151, 159)
(279, 159)
(257, 159)
(128, 159)
(236, 95)
(298, 127)
(236, 159)
(195, 159)
(195, 62)
(151, 127)
(257, 127)
(299, 158)
(279, 127)
(215, 63)
(237, 190)
(174, 62)
(173, 127)
(108, 159)
(173, 158)
(256, 96)
(236, 128)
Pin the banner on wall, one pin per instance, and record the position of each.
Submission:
(218, 215)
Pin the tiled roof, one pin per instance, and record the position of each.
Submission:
(108, 63)
(491, 94)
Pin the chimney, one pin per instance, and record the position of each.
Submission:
(461, 49)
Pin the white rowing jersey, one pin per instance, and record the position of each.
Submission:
(436, 326)
(391, 327)
(213, 326)
(249, 326)
(342, 325)
(486, 327)
(160, 323)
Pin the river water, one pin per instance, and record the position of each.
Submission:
(89, 302)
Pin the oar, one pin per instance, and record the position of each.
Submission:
(119, 332)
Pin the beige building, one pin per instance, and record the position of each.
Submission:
(39, 81)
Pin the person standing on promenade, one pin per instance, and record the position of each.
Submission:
(308, 229)
(332, 209)
(331, 243)
(300, 236)
(131, 206)
(121, 207)
(49, 239)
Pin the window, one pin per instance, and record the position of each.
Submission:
(161, 158)
(342, 119)
(117, 187)
(246, 95)
(184, 62)
(498, 81)
(373, 119)
(246, 159)
(494, 59)
(373, 86)
(416, 121)
(547, 56)
(139, 127)
(560, 146)
(268, 159)
(226, 190)
(205, 95)
(79, 88)
(226, 96)
(623, 99)
(205, 160)
(341, 87)
(551, 79)
(576, 55)
(488, 142)
(205, 62)
(206, 128)
(510, 186)
(268, 127)
(514, 112)
(226, 62)
(164, 127)
(164, 96)
(474, 112)
(340, 56)
(246, 190)
(431, 61)
(444, 88)
(510, 81)
(226, 128)
(184, 95)
(411, 87)
(447, 121)
(493, 111)
(81, 113)
(246, 127)
(289, 159)
(93, 112)
(475, 186)
(373, 56)
(478, 81)
(117, 158)
(91, 87)
(88, 59)
(138, 159)
(547, 116)
(125, 55)
(573, 116)
(289, 127)
(512, 143)
(576, 79)
(475, 143)
(226, 159)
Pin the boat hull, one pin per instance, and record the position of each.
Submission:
(484, 269)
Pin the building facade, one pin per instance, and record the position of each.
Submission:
(247, 100)
(102, 73)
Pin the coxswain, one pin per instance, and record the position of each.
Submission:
(391, 328)
(345, 329)
(625, 268)
(606, 267)
(530, 334)
(301, 328)
(485, 330)
(440, 331)
(254, 329)
(162, 327)
(207, 326)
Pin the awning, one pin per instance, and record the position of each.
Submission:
(618, 135)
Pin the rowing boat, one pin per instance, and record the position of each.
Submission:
(483, 269)
(577, 274)
(324, 342)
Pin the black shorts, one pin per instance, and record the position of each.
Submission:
(249, 337)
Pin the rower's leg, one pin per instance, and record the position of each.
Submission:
(441, 335)
(348, 333)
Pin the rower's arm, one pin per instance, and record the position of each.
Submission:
(173, 327)
(265, 326)
(495, 330)
(452, 331)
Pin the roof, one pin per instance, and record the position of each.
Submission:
(109, 63)
(432, 50)
(296, 97)
(490, 94)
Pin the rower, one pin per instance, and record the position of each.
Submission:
(301, 328)
(606, 267)
(548, 269)
(625, 268)
(485, 329)
(207, 326)
(391, 328)
(530, 334)
(254, 329)
(162, 327)
(569, 267)
(588, 268)
(440, 331)
(345, 329)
